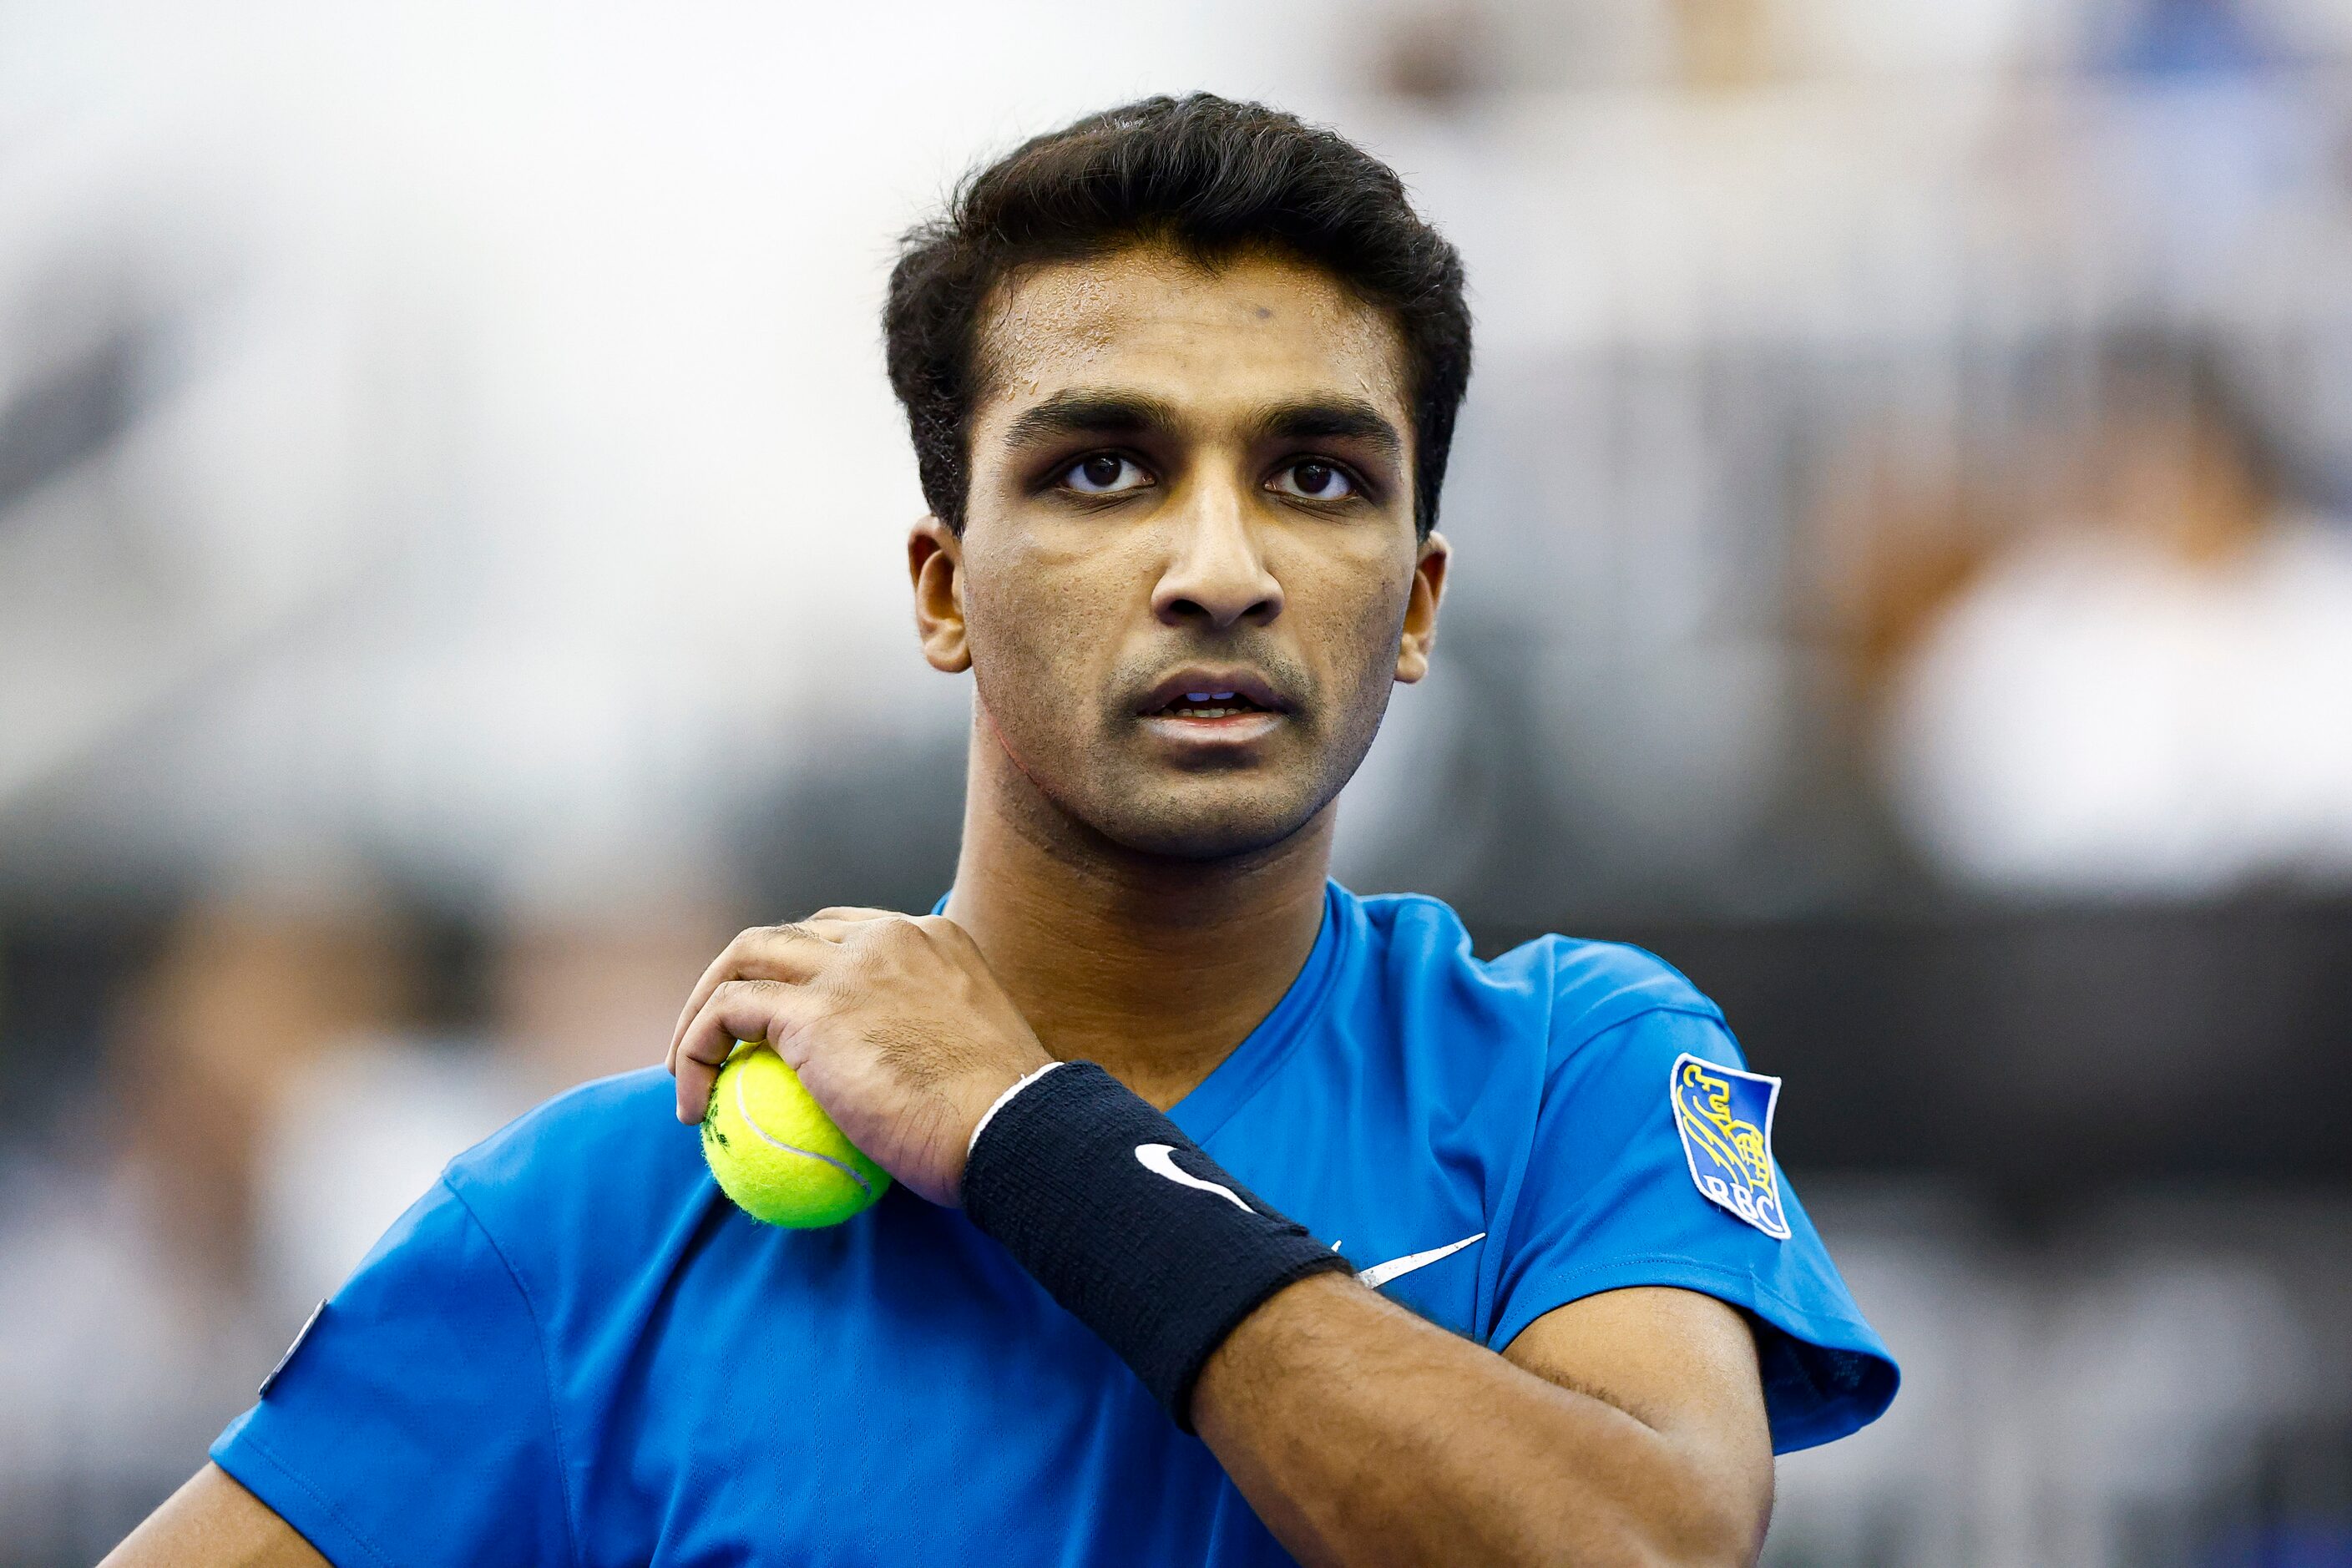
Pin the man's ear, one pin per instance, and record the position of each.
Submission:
(1421, 608)
(935, 564)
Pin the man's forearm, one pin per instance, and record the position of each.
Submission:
(1632, 1432)
(1363, 1435)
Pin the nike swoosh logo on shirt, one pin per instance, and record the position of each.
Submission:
(1160, 1160)
(1379, 1273)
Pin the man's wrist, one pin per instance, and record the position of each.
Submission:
(999, 1103)
(1129, 1225)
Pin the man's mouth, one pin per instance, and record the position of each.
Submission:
(1209, 705)
(1220, 709)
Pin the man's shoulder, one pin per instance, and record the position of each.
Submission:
(597, 1164)
(1597, 985)
(1575, 976)
(1568, 989)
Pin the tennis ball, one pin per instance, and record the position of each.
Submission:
(776, 1153)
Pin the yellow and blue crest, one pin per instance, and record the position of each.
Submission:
(1726, 1119)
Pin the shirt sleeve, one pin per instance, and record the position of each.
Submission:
(1608, 1200)
(410, 1422)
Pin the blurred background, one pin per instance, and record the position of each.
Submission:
(451, 520)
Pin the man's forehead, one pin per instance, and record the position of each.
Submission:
(1240, 334)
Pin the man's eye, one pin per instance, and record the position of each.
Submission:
(1106, 473)
(1314, 479)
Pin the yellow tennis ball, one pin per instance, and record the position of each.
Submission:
(777, 1154)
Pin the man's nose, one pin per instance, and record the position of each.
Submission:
(1216, 576)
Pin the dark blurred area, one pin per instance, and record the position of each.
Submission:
(450, 578)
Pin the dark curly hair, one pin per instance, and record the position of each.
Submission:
(1208, 177)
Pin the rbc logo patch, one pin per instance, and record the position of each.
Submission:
(1726, 1119)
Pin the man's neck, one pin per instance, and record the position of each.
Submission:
(1154, 967)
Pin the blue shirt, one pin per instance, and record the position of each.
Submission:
(573, 1350)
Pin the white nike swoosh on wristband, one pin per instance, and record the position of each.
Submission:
(1379, 1273)
(1159, 1159)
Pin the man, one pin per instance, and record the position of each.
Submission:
(1181, 380)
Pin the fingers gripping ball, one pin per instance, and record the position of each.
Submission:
(777, 1154)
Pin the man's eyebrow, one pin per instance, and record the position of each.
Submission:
(1082, 413)
(1340, 418)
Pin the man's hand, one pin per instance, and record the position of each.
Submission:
(895, 1024)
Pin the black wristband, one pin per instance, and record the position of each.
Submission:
(1129, 1225)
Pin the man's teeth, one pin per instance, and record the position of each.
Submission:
(1211, 705)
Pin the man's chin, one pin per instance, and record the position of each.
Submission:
(1202, 824)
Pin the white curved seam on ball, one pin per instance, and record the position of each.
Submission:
(753, 1123)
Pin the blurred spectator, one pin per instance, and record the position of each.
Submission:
(247, 996)
(580, 996)
(2177, 38)
(2152, 693)
(2218, 138)
(362, 1132)
(274, 1094)
(127, 1266)
(1720, 44)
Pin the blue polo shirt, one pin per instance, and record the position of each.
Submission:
(574, 1350)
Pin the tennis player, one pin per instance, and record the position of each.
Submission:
(1237, 1219)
